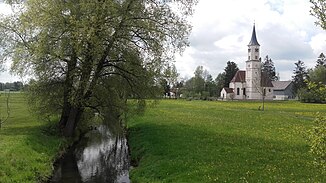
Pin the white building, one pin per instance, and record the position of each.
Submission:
(250, 84)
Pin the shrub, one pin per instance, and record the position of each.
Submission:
(314, 93)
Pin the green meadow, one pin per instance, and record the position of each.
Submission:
(201, 141)
(26, 151)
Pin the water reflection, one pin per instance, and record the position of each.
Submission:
(102, 157)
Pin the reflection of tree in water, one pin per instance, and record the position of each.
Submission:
(104, 158)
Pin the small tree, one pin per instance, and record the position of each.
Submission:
(262, 86)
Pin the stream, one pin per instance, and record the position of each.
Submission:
(101, 156)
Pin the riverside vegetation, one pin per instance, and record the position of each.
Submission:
(182, 141)
(200, 141)
(27, 148)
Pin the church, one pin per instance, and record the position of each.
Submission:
(252, 83)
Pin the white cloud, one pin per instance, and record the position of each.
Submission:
(222, 30)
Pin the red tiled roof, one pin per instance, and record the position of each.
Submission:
(240, 76)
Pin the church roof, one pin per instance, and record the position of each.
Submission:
(228, 90)
(281, 85)
(240, 76)
(253, 40)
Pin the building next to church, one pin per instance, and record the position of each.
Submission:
(253, 84)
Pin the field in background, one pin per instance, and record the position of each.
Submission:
(26, 152)
(200, 141)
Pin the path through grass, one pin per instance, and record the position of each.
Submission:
(199, 141)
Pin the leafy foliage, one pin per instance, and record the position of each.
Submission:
(314, 93)
(201, 86)
(317, 139)
(230, 70)
(318, 10)
(219, 80)
(317, 74)
(78, 49)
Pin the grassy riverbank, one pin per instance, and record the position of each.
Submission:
(199, 141)
(26, 152)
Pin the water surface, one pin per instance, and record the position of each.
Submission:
(102, 156)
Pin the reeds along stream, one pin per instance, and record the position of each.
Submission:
(101, 156)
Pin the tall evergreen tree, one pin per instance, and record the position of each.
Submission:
(230, 70)
(321, 61)
(269, 68)
(299, 77)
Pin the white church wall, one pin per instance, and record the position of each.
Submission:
(238, 88)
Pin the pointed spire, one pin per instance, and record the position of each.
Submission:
(253, 40)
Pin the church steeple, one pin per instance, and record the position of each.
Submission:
(253, 47)
(253, 41)
(253, 68)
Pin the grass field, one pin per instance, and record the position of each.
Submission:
(199, 141)
(26, 152)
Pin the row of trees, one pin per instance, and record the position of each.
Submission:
(203, 86)
(310, 84)
(15, 86)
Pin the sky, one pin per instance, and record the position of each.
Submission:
(221, 31)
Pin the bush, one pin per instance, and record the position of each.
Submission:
(317, 140)
(314, 93)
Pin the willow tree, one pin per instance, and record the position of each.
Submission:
(90, 55)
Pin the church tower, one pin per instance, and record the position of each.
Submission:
(253, 68)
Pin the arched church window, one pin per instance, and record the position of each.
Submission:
(248, 57)
(256, 50)
(249, 50)
(256, 57)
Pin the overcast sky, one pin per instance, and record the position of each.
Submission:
(222, 30)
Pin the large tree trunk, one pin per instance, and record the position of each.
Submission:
(72, 121)
(68, 84)
(64, 116)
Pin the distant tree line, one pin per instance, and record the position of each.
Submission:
(15, 86)
(202, 85)
(310, 84)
